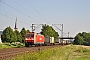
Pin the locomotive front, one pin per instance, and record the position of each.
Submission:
(29, 39)
(33, 38)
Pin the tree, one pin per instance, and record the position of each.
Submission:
(88, 40)
(78, 40)
(18, 35)
(28, 31)
(8, 35)
(49, 31)
(86, 37)
(82, 38)
(23, 32)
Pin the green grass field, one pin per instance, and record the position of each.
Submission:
(13, 45)
(70, 52)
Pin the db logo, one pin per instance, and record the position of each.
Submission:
(40, 38)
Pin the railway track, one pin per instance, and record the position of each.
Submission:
(11, 52)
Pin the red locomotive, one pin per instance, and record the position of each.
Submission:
(33, 38)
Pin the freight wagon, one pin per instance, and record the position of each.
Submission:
(33, 38)
(49, 41)
(58, 41)
(63, 42)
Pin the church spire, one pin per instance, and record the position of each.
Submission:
(16, 24)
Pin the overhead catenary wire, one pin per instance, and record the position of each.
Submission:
(21, 6)
(17, 10)
(35, 9)
(14, 18)
(62, 33)
(21, 11)
(29, 3)
(11, 16)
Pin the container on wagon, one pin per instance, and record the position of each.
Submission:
(58, 41)
(49, 40)
(63, 42)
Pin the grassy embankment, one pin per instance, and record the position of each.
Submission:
(59, 53)
(12, 45)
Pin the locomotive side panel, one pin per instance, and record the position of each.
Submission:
(39, 39)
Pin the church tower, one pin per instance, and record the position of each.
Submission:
(16, 24)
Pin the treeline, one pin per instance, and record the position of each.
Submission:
(82, 39)
(8, 35)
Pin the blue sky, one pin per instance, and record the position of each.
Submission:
(74, 14)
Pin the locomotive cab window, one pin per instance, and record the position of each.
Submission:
(32, 35)
(29, 35)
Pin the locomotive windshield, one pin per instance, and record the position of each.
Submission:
(29, 35)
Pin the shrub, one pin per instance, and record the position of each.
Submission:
(85, 50)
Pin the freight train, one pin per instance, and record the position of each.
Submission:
(33, 38)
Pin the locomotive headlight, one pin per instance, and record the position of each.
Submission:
(26, 39)
(32, 38)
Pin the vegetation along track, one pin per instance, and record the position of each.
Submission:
(11, 52)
